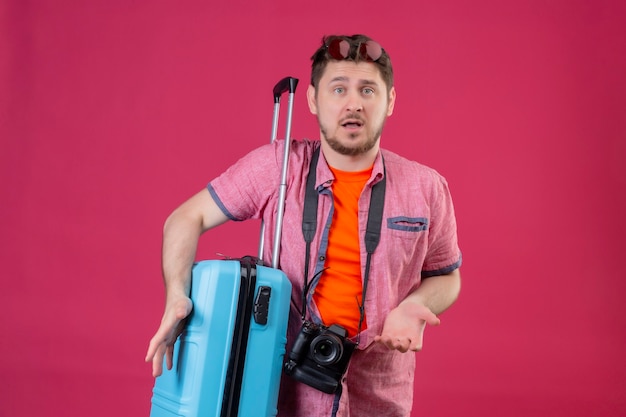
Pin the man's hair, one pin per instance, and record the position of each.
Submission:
(321, 58)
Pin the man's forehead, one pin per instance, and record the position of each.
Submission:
(350, 71)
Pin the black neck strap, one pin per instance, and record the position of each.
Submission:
(372, 231)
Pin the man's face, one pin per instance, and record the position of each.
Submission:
(351, 104)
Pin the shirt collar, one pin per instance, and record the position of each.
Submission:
(324, 176)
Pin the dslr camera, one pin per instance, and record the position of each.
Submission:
(320, 356)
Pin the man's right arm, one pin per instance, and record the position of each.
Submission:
(181, 232)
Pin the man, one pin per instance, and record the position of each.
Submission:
(412, 275)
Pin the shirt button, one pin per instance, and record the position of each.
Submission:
(322, 258)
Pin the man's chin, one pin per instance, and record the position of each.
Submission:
(351, 146)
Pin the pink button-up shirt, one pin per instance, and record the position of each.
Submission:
(418, 239)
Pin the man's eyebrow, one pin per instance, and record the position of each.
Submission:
(368, 82)
(361, 81)
(339, 78)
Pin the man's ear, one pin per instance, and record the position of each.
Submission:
(310, 96)
(392, 101)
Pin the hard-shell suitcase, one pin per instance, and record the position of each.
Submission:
(228, 360)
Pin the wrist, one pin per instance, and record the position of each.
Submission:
(173, 295)
(413, 299)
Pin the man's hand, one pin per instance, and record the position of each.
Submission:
(404, 327)
(172, 324)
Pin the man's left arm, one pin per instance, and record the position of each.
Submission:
(404, 326)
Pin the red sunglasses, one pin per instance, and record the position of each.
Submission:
(368, 51)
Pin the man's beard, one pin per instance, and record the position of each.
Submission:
(336, 146)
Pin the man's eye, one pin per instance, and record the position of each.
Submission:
(338, 90)
(368, 91)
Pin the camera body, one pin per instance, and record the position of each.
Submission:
(320, 356)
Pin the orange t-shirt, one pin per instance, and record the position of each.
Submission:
(338, 293)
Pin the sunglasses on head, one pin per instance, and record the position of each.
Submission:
(339, 49)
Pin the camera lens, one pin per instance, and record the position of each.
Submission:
(326, 349)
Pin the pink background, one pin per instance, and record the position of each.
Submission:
(113, 112)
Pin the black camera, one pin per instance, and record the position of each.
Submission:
(320, 356)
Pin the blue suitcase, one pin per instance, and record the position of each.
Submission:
(228, 360)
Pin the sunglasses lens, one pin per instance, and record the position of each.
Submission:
(339, 49)
(371, 51)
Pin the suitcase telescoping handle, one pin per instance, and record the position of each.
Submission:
(287, 84)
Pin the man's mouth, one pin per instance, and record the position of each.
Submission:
(352, 123)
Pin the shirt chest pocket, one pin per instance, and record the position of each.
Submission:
(407, 227)
(406, 240)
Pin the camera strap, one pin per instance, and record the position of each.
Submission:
(372, 231)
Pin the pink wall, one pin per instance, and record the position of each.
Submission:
(113, 112)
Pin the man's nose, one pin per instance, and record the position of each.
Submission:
(354, 103)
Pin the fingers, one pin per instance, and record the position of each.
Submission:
(169, 356)
(157, 365)
(401, 344)
(431, 318)
(161, 346)
(161, 351)
(415, 346)
(404, 327)
(155, 354)
(155, 344)
(153, 347)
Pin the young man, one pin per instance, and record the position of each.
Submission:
(412, 274)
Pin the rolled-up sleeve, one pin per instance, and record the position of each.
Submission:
(443, 254)
(243, 189)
